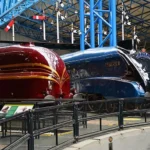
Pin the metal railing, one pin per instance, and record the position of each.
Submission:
(78, 113)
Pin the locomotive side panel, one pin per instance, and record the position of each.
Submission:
(32, 72)
(103, 72)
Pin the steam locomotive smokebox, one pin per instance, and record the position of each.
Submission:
(127, 44)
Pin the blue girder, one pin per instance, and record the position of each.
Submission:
(23, 10)
(97, 22)
(13, 8)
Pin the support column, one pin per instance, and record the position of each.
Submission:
(110, 21)
(82, 25)
(13, 32)
(92, 24)
(98, 22)
(57, 22)
(44, 31)
(113, 10)
(100, 26)
(122, 22)
(72, 34)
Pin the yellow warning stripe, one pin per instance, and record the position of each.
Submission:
(59, 134)
(132, 119)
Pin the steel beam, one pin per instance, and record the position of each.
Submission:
(13, 8)
(98, 22)
(82, 25)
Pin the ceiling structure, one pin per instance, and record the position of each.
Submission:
(24, 10)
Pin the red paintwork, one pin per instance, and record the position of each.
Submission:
(26, 81)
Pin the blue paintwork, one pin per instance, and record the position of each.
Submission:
(109, 87)
(91, 71)
(90, 53)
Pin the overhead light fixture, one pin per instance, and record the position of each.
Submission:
(104, 32)
(86, 7)
(59, 13)
(66, 15)
(129, 23)
(74, 31)
(127, 17)
(138, 40)
(88, 26)
(61, 4)
(52, 22)
(62, 17)
(124, 13)
(76, 11)
(79, 32)
(135, 36)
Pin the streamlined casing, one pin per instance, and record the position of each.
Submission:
(28, 71)
(107, 71)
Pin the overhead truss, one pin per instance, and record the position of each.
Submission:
(100, 19)
(12, 8)
(23, 10)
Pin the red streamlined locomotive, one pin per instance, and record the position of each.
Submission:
(28, 71)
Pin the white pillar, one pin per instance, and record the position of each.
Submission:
(122, 22)
(85, 23)
(44, 31)
(57, 21)
(13, 32)
(72, 34)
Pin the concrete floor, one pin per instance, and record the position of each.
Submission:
(47, 141)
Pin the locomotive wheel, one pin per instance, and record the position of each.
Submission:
(80, 108)
(96, 107)
(110, 107)
(129, 106)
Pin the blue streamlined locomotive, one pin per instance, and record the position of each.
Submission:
(111, 72)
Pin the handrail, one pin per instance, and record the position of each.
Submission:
(34, 101)
(53, 127)
(34, 116)
(98, 116)
(17, 142)
(88, 102)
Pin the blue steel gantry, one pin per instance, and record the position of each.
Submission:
(23, 10)
(94, 10)
(96, 20)
(13, 8)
